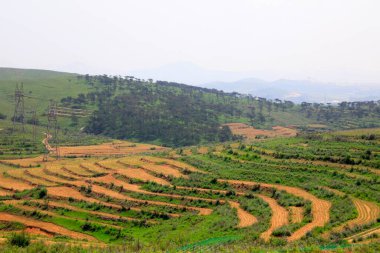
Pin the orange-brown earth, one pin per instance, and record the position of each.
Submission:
(250, 132)
(45, 226)
(68, 192)
(245, 218)
(174, 163)
(37, 231)
(280, 216)
(4, 192)
(108, 179)
(131, 172)
(116, 195)
(152, 167)
(320, 208)
(13, 184)
(24, 162)
(56, 204)
(364, 234)
(368, 212)
(296, 214)
(112, 148)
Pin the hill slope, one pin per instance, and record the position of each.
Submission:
(43, 85)
(168, 113)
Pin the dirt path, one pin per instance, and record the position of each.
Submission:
(245, 218)
(320, 208)
(45, 226)
(296, 214)
(280, 216)
(45, 141)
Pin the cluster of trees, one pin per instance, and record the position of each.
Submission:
(176, 114)
(147, 111)
(329, 112)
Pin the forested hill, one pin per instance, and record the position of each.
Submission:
(166, 113)
(176, 114)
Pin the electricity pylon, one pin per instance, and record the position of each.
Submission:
(18, 115)
(52, 130)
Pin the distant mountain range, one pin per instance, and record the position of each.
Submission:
(242, 82)
(300, 91)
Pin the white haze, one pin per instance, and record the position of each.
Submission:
(319, 40)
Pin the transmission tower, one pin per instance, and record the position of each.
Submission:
(52, 130)
(18, 115)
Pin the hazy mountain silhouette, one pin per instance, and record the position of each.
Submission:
(242, 82)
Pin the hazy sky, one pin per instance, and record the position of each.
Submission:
(325, 40)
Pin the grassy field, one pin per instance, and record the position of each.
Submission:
(277, 193)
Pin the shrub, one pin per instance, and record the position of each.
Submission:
(42, 193)
(19, 239)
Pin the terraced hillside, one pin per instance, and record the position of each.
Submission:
(280, 192)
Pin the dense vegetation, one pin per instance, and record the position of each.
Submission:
(166, 113)
(176, 114)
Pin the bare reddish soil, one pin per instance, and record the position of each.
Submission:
(13, 184)
(37, 231)
(280, 216)
(245, 219)
(113, 148)
(173, 163)
(67, 192)
(320, 208)
(296, 214)
(25, 162)
(251, 132)
(108, 179)
(45, 226)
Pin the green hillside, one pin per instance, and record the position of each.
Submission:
(39, 87)
(42, 85)
(167, 113)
